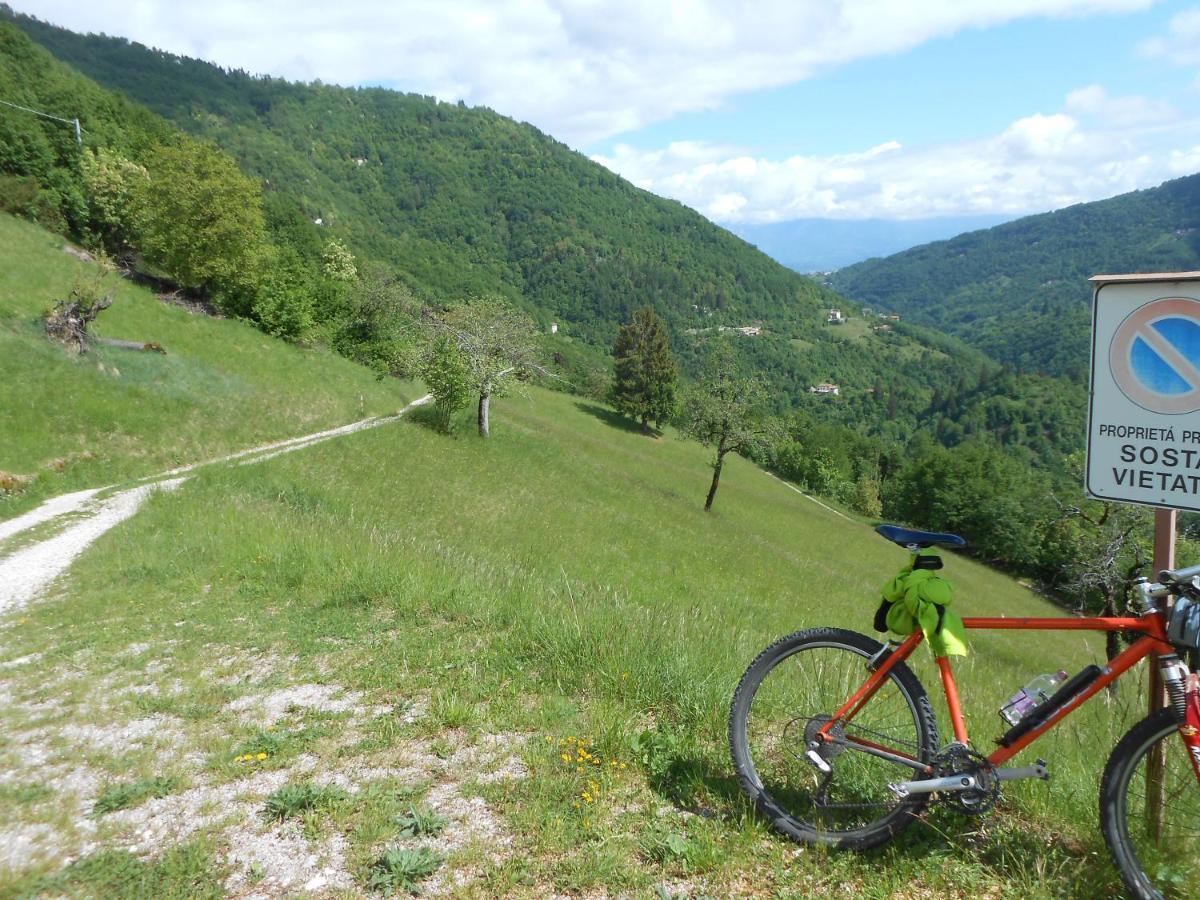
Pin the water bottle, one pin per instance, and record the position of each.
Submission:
(1023, 701)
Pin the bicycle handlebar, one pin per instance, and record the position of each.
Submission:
(1169, 580)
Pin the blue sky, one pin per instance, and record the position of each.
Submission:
(964, 86)
(762, 110)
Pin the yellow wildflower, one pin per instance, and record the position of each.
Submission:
(565, 758)
(261, 756)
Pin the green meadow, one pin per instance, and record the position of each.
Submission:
(113, 414)
(556, 590)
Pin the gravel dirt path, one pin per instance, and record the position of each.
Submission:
(26, 572)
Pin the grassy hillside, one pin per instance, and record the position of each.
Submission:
(501, 603)
(1019, 291)
(113, 414)
(461, 200)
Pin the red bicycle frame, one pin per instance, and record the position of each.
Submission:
(1152, 641)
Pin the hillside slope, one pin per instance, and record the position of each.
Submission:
(435, 622)
(112, 414)
(461, 200)
(1019, 291)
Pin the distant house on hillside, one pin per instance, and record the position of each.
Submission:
(889, 317)
(836, 317)
(746, 330)
(881, 327)
(826, 388)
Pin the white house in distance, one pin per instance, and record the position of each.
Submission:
(836, 317)
(554, 328)
(826, 388)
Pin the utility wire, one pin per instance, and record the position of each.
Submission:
(44, 115)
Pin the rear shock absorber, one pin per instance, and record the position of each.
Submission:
(1174, 676)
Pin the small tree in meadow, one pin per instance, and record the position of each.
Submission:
(725, 412)
(644, 375)
(497, 342)
(446, 371)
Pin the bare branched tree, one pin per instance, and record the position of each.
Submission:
(497, 342)
(1105, 542)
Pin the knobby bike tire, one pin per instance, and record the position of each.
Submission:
(838, 652)
(1152, 867)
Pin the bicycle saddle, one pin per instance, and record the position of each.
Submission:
(907, 536)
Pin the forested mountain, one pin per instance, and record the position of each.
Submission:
(821, 245)
(1019, 291)
(460, 200)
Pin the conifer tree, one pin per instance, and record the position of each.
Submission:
(644, 375)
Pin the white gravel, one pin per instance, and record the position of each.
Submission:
(267, 709)
(52, 508)
(24, 574)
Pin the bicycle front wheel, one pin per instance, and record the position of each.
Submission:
(1154, 840)
(789, 692)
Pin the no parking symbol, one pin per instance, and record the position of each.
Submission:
(1155, 356)
(1144, 412)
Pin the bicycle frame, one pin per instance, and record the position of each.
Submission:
(1152, 642)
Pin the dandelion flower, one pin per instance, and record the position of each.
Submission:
(261, 756)
(565, 758)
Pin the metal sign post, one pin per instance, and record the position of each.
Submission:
(1143, 428)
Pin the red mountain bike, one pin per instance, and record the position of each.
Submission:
(835, 740)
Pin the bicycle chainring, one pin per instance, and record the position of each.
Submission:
(955, 759)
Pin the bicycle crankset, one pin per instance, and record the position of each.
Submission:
(955, 760)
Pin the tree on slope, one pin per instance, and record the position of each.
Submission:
(725, 412)
(497, 343)
(201, 221)
(644, 374)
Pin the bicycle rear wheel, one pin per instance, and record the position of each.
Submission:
(1158, 853)
(785, 696)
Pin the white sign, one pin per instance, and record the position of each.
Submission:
(1144, 414)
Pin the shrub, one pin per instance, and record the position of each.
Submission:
(403, 869)
(294, 800)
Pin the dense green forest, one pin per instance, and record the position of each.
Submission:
(1019, 291)
(364, 204)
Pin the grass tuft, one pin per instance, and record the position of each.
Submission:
(421, 821)
(402, 869)
(132, 793)
(295, 800)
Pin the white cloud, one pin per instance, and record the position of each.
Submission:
(1089, 150)
(1120, 112)
(580, 69)
(1181, 44)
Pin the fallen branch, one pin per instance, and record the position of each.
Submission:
(70, 319)
(130, 345)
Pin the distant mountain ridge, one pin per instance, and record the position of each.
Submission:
(822, 245)
(1020, 291)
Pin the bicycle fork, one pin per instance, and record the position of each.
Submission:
(1183, 693)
